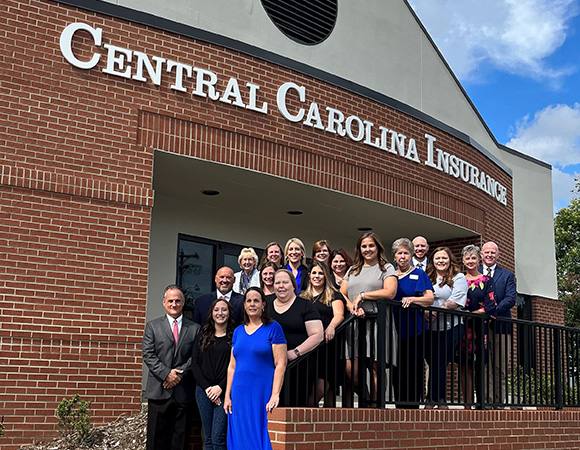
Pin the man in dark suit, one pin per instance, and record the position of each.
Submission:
(224, 281)
(167, 351)
(504, 283)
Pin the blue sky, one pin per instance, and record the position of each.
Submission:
(519, 61)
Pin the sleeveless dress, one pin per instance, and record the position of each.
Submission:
(252, 386)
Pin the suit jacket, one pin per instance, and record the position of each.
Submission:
(504, 283)
(203, 303)
(160, 355)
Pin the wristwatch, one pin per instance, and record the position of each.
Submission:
(296, 351)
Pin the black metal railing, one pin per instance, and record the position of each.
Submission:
(436, 358)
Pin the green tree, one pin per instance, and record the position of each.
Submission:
(567, 233)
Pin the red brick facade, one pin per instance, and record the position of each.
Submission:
(549, 310)
(76, 156)
(326, 429)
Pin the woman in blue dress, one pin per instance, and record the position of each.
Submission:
(255, 375)
(414, 288)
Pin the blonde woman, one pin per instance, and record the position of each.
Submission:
(330, 305)
(249, 276)
(294, 253)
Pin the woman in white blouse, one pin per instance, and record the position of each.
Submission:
(446, 330)
(249, 276)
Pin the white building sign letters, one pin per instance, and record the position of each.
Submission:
(136, 65)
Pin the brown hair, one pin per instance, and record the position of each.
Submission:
(265, 315)
(358, 257)
(271, 264)
(207, 332)
(317, 246)
(452, 270)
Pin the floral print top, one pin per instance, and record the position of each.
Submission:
(480, 294)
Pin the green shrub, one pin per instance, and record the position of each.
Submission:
(532, 387)
(74, 419)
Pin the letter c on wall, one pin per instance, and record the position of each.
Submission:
(66, 38)
(281, 101)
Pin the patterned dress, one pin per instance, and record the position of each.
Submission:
(480, 294)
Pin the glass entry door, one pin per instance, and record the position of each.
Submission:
(198, 260)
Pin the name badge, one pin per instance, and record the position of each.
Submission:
(413, 276)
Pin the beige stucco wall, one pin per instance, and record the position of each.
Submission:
(534, 227)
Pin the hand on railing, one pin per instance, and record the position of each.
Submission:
(329, 333)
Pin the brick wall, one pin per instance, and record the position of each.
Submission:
(76, 155)
(326, 429)
(73, 275)
(548, 310)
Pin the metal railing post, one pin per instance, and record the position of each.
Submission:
(381, 353)
(480, 367)
(558, 369)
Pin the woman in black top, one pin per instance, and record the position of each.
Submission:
(330, 305)
(209, 363)
(267, 272)
(303, 330)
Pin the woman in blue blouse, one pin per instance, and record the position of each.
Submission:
(294, 253)
(414, 288)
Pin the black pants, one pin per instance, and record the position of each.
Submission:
(409, 375)
(441, 346)
(168, 424)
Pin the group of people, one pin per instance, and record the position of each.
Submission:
(230, 350)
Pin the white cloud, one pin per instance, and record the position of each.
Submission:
(553, 135)
(562, 188)
(513, 35)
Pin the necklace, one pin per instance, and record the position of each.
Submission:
(283, 305)
(406, 272)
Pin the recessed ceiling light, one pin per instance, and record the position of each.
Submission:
(364, 229)
(295, 212)
(210, 192)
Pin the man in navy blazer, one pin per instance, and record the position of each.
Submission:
(167, 353)
(504, 283)
(224, 281)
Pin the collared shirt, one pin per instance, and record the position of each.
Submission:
(226, 296)
(423, 263)
(171, 320)
(486, 270)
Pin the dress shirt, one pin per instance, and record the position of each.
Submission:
(226, 296)
(486, 268)
(171, 320)
(424, 263)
